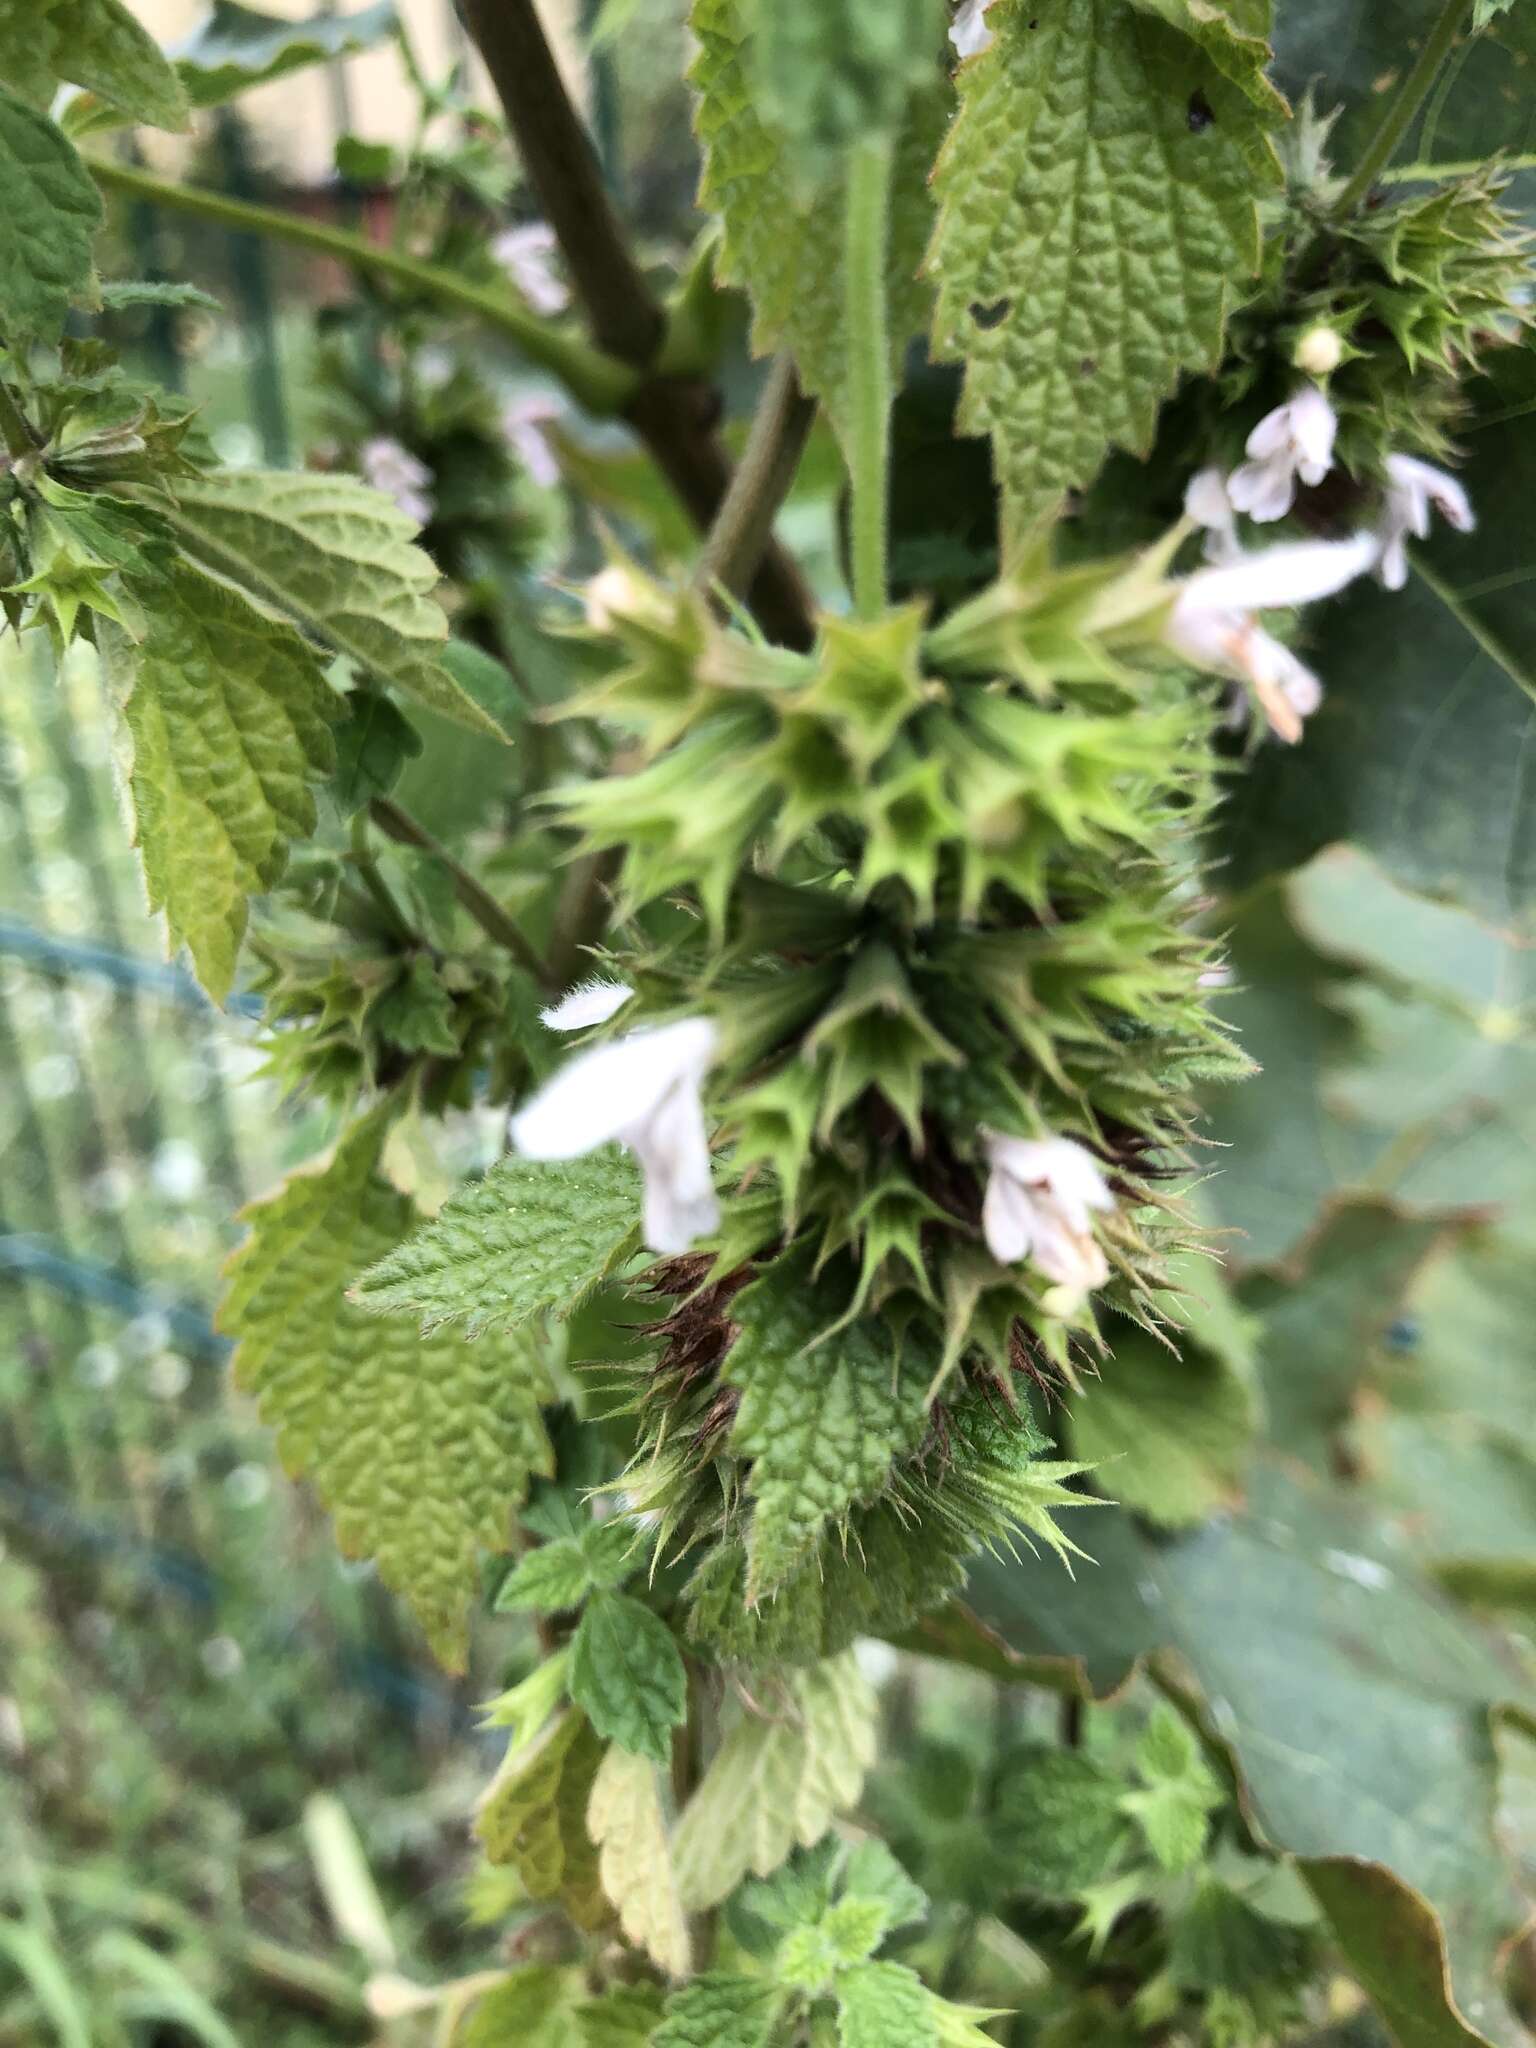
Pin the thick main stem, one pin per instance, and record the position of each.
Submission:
(675, 417)
(598, 382)
(869, 369)
(1410, 96)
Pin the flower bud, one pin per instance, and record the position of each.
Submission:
(1319, 352)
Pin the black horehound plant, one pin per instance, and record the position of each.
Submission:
(844, 966)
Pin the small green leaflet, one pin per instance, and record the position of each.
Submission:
(1097, 217)
(1060, 1814)
(784, 248)
(526, 1239)
(51, 209)
(338, 560)
(627, 1672)
(626, 1821)
(1181, 1792)
(529, 2009)
(884, 2005)
(777, 1783)
(420, 1446)
(534, 1816)
(821, 1420)
(228, 718)
(720, 2011)
(237, 47)
(560, 1574)
(96, 44)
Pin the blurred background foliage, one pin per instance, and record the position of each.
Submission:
(234, 1788)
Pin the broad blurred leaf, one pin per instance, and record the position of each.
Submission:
(237, 47)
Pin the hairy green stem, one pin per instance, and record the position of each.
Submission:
(496, 923)
(595, 380)
(763, 476)
(1406, 102)
(1464, 167)
(869, 368)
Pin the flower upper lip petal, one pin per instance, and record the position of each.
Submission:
(611, 1089)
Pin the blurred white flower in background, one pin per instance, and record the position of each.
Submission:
(527, 254)
(394, 470)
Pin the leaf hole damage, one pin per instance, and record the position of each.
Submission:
(991, 315)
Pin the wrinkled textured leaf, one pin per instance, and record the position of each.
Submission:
(421, 1447)
(625, 1820)
(884, 2005)
(236, 47)
(96, 44)
(720, 2011)
(526, 1238)
(1059, 1813)
(51, 209)
(829, 76)
(786, 249)
(228, 723)
(778, 1780)
(1091, 235)
(338, 560)
(627, 1672)
(534, 1816)
(820, 1420)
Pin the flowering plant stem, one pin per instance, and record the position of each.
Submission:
(397, 823)
(869, 368)
(1406, 102)
(763, 477)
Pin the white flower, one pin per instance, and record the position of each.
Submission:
(1319, 351)
(968, 31)
(1413, 488)
(1041, 1193)
(524, 254)
(399, 474)
(1214, 623)
(523, 423)
(590, 1002)
(1207, 503)
(1295, 440)
(643, 1090)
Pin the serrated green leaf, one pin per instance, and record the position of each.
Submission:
(547, 1581)
(1058, 1811)
(872, 1872)
(373, 744)
(534, 1816)
(778, 1780)
(526, 1239)
(99, 45)
(421, 1447)
(228, 722)
(785, 249)
(625, 1820)
(1234, 34)
(884, 2005)
(337, 559)
(624, 2017)
(529, 2009)
(1092, 235)
(1181, 1792)
(720, 2011)
(821, 1420)
(415, 1012)
(235, 48)
(627, 1672)
(51, 209)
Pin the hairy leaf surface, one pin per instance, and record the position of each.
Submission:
(336, 558)
(778, 1780)
(228, 719)
(1094, 229)
(97, 44)
(51, 210)
(527, 1238)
